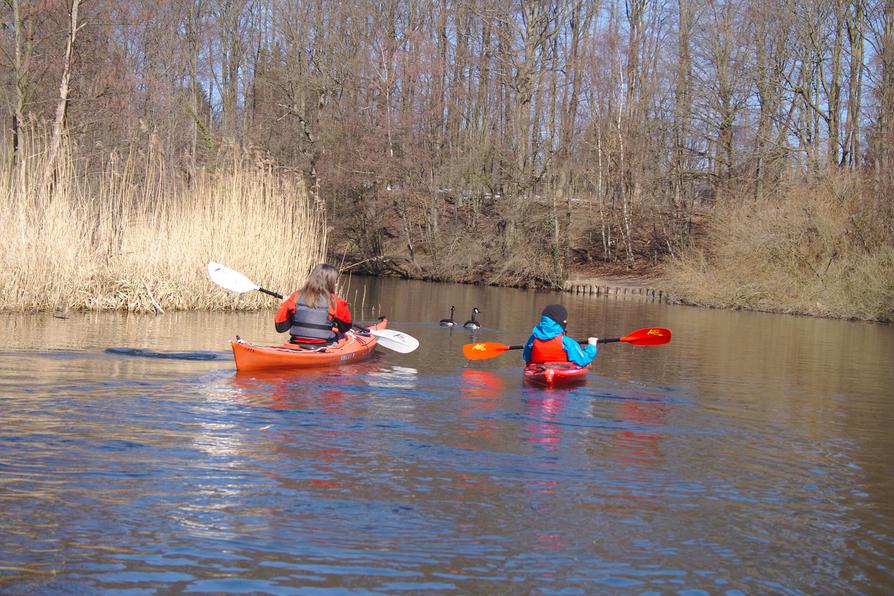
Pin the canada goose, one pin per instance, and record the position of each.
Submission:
(449, 322)
(473, 322)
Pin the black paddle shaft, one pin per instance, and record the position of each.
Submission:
(271, 293)
(365, 329)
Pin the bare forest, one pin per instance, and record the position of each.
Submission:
(742, 147)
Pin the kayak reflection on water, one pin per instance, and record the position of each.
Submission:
(307, 388)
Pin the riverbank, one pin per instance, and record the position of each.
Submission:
(820, 249)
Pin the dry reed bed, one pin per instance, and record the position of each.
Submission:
(823, 249)
(130, 238)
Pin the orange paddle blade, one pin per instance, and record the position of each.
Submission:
(653, 336)
(484, 350)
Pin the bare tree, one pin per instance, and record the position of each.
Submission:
(856, 33)
(23, 23)
(771, 34)
(511, 136)
(62, 105)
(882, 153)
(683, 89)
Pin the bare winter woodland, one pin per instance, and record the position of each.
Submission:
(497, 141)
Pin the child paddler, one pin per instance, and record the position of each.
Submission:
(548, 342)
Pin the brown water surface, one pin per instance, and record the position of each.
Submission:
(752, 454)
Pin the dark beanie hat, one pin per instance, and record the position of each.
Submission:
(557, 313)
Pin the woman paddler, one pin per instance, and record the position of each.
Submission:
(315, 316)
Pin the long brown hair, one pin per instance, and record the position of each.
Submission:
(320, 283)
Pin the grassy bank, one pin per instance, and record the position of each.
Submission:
(823, 248)
(137, 238)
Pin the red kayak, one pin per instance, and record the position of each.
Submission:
(552, 374)
(354, 347)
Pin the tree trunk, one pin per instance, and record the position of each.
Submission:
(856, 32)
(884, 143)
(833, 87)
(24, 43)
(682, 118)
(62, 105)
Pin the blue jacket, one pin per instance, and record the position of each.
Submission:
(547, 329)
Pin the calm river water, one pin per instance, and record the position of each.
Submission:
(752, 454)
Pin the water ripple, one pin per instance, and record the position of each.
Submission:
(385, 478)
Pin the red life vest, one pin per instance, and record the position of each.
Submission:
(550, 350)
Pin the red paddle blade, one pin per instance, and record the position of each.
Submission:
(483, 350)
(653, 336)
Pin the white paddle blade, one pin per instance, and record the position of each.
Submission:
(229, 279)
(395, 340)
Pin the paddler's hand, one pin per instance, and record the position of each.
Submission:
(593, 341)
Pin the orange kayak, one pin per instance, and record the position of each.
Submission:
(356, 346)
(555, 373)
